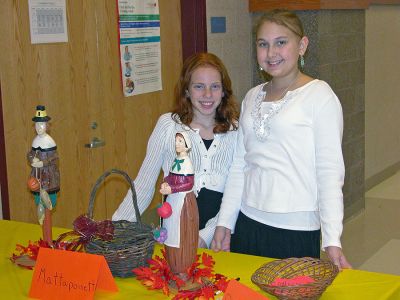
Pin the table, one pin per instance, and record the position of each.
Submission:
(349, 284)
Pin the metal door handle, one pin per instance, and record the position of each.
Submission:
(95, 143)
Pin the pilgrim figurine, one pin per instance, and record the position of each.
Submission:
(43, 159)
(183, 225)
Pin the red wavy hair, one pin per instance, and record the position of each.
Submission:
(227, 113)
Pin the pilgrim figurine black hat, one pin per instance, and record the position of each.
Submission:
(41, 115)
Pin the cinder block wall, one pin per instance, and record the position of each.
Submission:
(341, 62)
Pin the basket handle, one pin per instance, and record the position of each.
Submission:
(97, 184)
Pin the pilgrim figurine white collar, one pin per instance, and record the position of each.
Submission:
(44, 142)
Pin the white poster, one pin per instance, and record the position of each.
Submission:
(139, 42)
(48, 21)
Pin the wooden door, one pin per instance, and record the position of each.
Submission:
(79, 83)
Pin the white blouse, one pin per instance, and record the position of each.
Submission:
(288, 168)
(211, 167)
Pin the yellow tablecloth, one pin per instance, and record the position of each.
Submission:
(349, 284)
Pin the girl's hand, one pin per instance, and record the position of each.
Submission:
(336, 255)
(222, 239)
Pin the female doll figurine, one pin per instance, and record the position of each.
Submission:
(43, 158)
(183, 224)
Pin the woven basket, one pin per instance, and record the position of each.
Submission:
(132, 244)
(322, 271)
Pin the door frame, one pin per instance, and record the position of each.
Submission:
(194, 27)
(3, 167)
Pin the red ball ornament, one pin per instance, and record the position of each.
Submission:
(33, 184)
(165, 210)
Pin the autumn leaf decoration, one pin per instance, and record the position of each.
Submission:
(31, 251)
(158, 276)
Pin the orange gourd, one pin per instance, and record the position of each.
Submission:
(33, 184)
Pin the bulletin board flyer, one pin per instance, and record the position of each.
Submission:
(139, 43)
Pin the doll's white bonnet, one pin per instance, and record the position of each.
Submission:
(186, 138)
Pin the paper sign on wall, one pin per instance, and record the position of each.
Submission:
(140, 49)
(238, 291)
(62, 274)
(48, 21)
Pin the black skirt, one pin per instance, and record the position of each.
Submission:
(254, 238)
(208, 203)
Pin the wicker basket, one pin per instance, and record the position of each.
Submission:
(132, 244)
(322, 271)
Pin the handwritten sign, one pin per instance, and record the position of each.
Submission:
(238, 291)
(62, 274)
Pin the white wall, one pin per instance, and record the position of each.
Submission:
(382, 88)
(234, 46)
